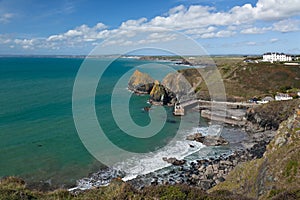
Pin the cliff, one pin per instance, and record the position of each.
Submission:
(277, 174)
(140, 82)
(270, 115)
(179, 84)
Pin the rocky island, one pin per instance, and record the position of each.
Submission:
(142, 83)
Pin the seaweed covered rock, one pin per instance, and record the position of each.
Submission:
(209, 140)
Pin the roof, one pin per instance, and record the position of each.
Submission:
(276, 53)
(268, 98)
(282, 95)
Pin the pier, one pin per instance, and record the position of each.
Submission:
(208, 104)
(232, 113)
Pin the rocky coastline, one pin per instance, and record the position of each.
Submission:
(259, 123)
(206, 173)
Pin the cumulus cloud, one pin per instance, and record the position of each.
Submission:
(276, 9)
(287, 25)
(81, 33)
(255, 30)
(26, 43)
(4, 39)
(219, 34)
(196, 20)
(195, 16)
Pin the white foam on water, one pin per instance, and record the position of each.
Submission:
(146, 163)
(212, 130)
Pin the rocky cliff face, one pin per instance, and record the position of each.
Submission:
(277, 174)
(140, 82)
(160, 93)
(177, 83)
(269, 116)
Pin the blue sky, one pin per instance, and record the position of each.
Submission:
(219, 26)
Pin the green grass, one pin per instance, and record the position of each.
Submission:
(12, 188)
(291, 169)
(245, 80)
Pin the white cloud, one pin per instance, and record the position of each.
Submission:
(255, 30)
(197, 21)
(273, 40)
(5, 18)
(219, 34)
(276, 9)
(5, 39)
(287, 25)
(180, 18)
(82, 33)
(199, 31)
(26, 43)
(251, 43)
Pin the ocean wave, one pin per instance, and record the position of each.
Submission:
(142, 164)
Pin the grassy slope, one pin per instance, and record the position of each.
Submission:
(13, 188)
(245, 80)
(277, 174)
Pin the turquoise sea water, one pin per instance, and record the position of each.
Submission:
(38, 138)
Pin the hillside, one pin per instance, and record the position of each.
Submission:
(277, 174)
(246, 80)
(14, 189)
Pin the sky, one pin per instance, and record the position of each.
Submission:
(65, 27)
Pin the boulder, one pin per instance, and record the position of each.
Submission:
(196, 137)
(206, 184)
(212, 140)
(174, 161)
(209, 140)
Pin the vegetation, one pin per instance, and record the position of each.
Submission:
(270, 115)
(13, 188)
(245, 80)
(276, 175)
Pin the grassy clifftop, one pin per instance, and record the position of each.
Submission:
(245, 80)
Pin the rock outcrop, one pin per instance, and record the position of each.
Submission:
(276, 174)
(269, 116)
(161, 94)
(209, 140)
(140, 82)
(177, 83)
(174, 161)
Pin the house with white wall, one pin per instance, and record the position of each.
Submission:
(276, 57)
(282, 97)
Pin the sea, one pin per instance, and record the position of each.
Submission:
(39, 141)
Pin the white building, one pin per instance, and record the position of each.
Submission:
(267, 99)
(282, 97)
(274, 57)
